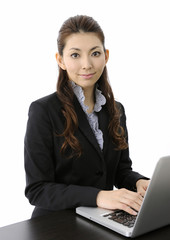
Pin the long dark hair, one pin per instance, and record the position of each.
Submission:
(77, 24)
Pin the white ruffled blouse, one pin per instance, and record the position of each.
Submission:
(92, 117)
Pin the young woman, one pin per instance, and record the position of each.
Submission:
(76, 143)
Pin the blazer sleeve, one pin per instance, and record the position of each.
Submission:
(42, 190)
(125, 176)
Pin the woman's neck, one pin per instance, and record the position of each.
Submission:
(89, 98)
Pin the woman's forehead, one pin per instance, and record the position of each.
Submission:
(82, 40)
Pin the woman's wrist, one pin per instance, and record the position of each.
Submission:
(99, 198)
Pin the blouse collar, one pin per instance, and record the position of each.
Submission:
(100, 98)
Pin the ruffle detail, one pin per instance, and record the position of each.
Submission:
(93, 121)
(78, 91)
(92, 117)
(100, 100)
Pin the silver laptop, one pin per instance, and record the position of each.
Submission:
(154, 212)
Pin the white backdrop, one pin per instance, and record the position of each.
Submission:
(137, 34)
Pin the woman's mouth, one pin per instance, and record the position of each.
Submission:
(87, 76)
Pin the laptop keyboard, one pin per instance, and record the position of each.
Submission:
(121, 217)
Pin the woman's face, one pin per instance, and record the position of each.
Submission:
(83, 58)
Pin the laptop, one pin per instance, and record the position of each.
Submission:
(154, 212)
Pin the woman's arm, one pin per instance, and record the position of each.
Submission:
(124, 199)
(42, 188)
(125, 176)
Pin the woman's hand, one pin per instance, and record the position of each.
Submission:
(142, 186)
(120, 199)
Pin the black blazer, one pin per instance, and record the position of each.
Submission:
(54, 182)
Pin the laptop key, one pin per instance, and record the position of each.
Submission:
(121, 217)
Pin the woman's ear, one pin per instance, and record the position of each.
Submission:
(106, 55)
(60, 61)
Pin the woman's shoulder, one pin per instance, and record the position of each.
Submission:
(120, 108)
(46, 104)
(49, 100)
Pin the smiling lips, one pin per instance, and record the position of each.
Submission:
(87, 76)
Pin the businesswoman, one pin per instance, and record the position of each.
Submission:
(76, 142)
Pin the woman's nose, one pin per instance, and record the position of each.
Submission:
(86, 63)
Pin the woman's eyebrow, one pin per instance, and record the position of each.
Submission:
(94, 48)
(78, 49)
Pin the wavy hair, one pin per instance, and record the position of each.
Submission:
(77, 24)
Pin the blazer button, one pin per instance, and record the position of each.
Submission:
(99, 173)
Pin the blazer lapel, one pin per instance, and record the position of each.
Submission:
(85, 128)
(103, 125)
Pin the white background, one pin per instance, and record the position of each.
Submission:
(138, 36)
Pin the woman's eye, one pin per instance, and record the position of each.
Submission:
(96, 54)
(75, 55)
